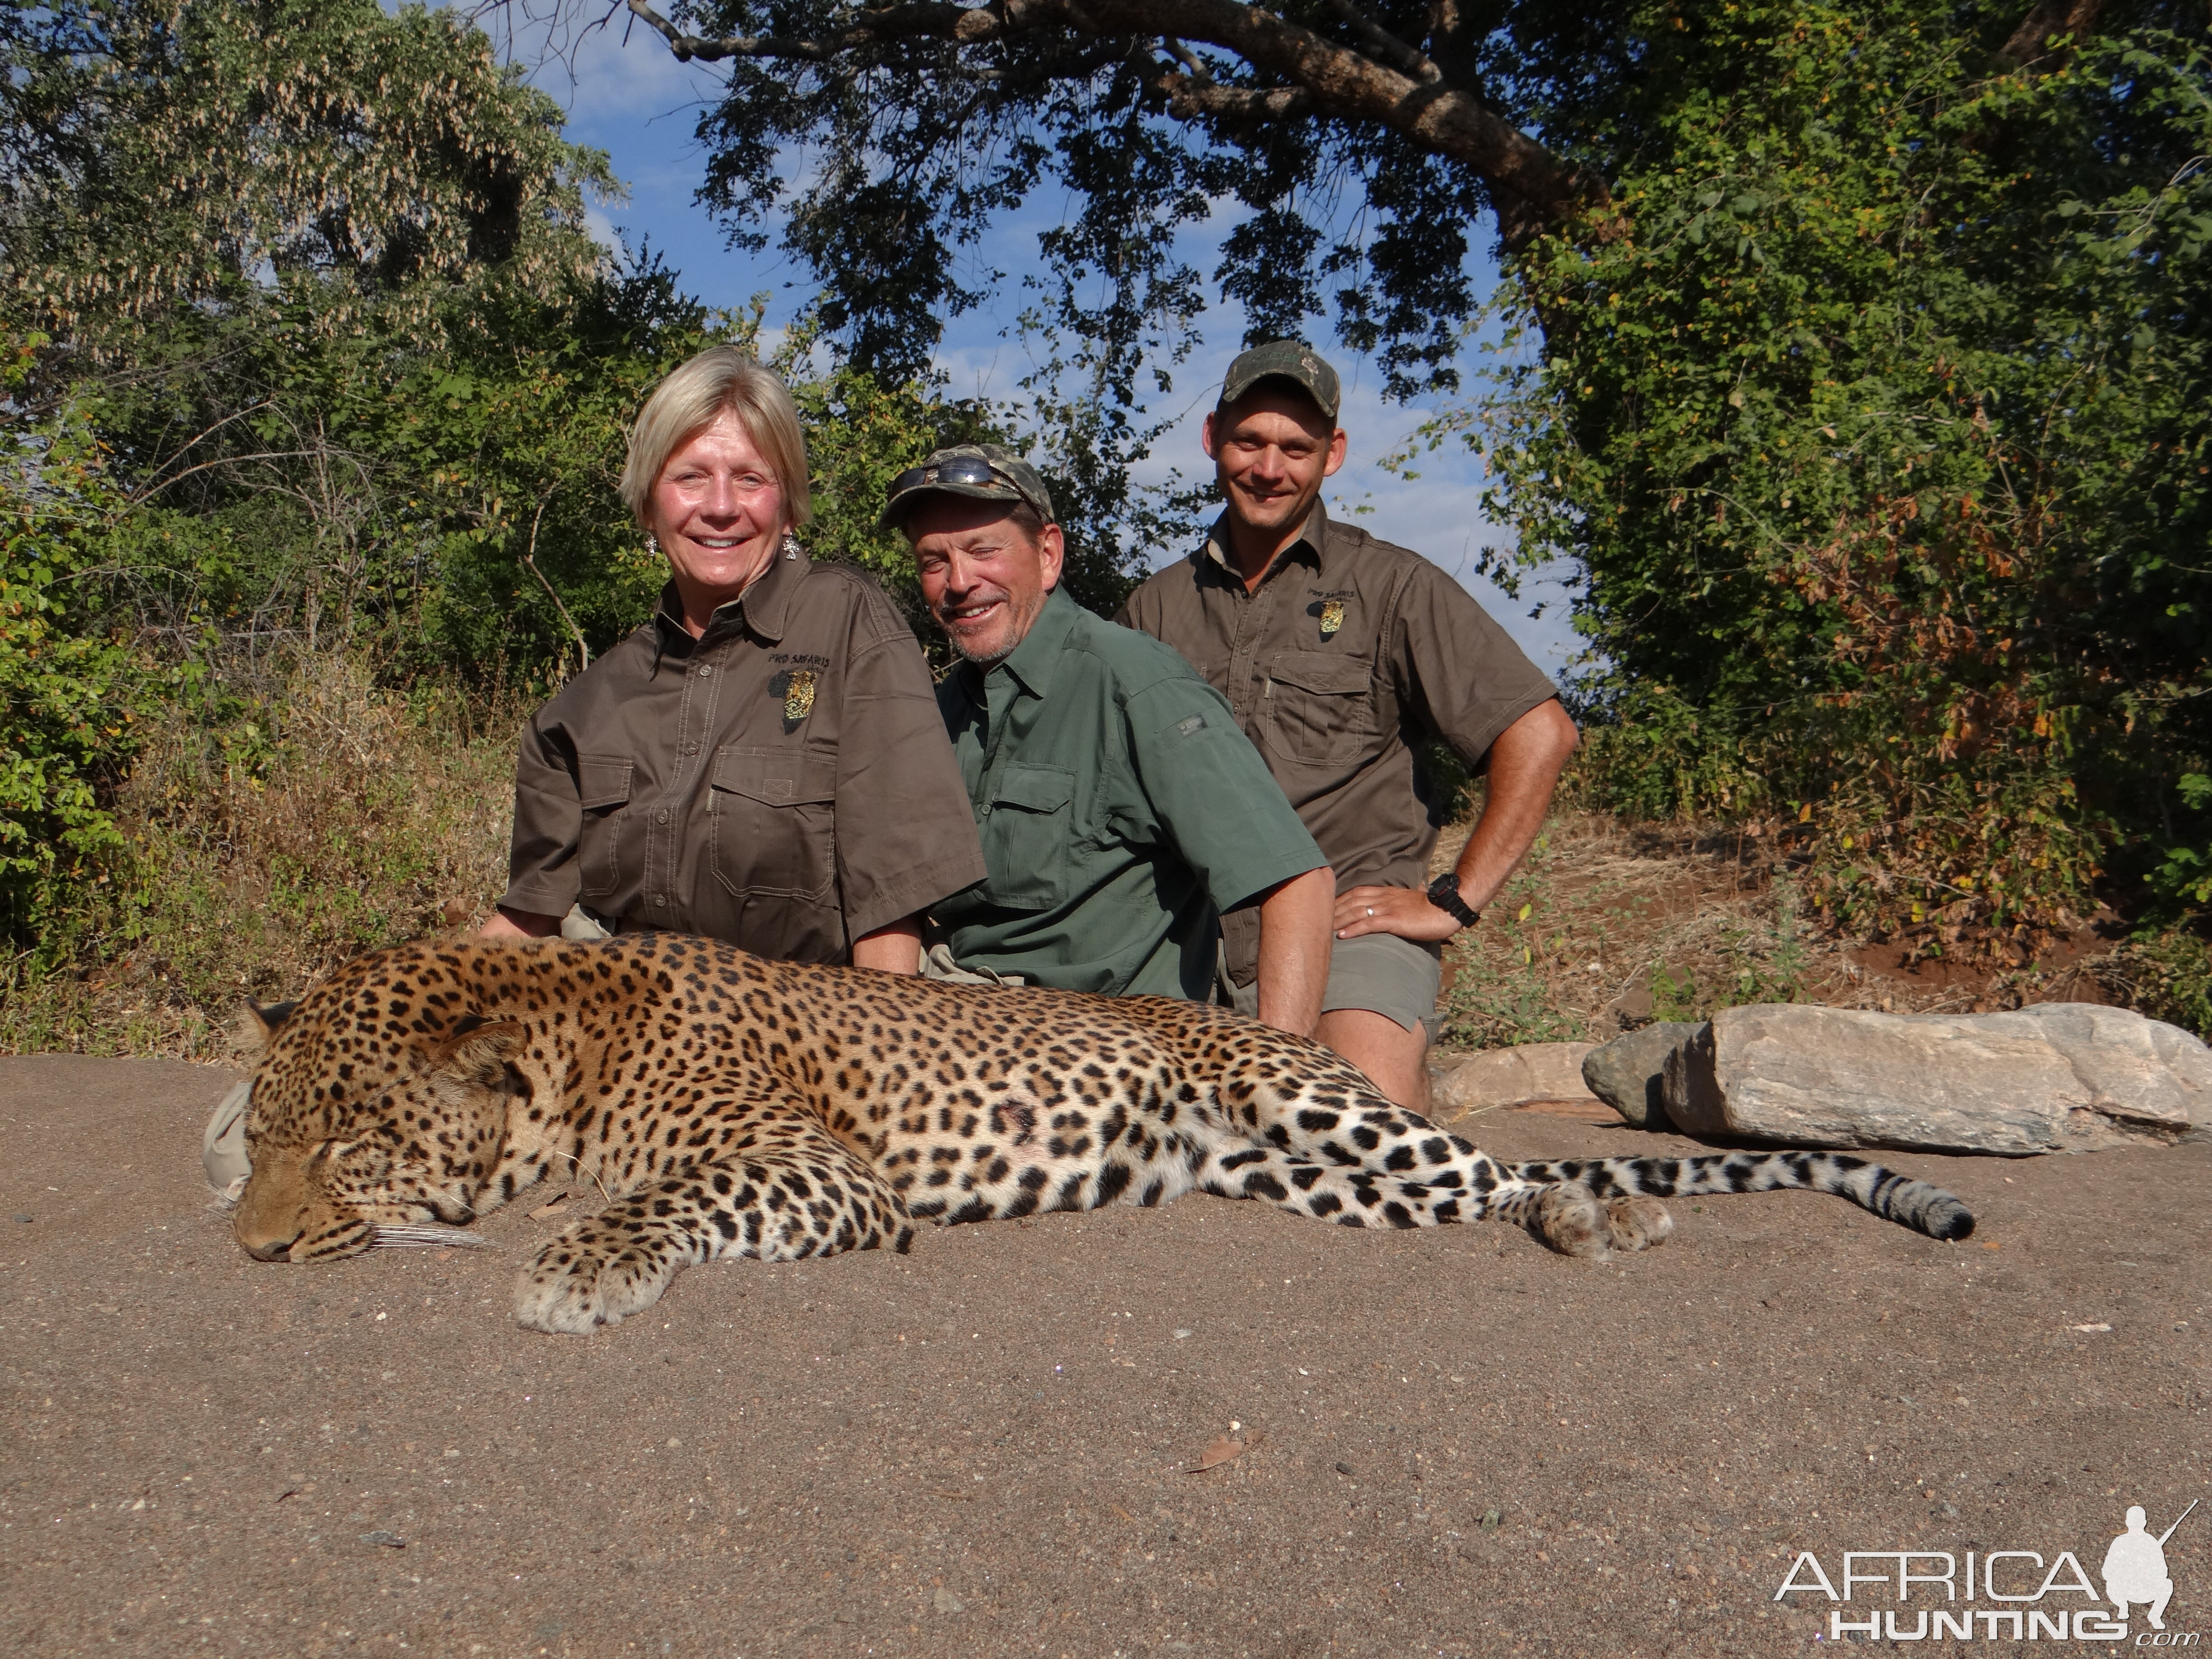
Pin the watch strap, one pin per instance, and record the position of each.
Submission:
(1443, 893)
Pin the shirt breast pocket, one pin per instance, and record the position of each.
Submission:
(1028, 834)
(603, 788)
(771, 823)
(1319, 706)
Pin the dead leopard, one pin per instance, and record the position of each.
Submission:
(729, 1106)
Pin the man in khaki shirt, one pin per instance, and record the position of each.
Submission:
(1337, 652)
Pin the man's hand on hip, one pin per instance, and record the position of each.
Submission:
(1405, 911)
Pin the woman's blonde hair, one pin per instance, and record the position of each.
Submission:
(718, 380)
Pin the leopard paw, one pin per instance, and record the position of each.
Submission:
(585, 1279)
(1573, 1222)
(1638, 1223)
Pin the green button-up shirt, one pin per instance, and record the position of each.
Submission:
(1121, 811)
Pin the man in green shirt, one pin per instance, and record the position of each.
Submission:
(1121, 808)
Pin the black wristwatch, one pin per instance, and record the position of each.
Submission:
(1443, 893)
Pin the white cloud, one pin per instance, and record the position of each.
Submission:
(602, 229)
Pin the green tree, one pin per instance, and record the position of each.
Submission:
(72, 697)
(197, 152)
(1880, 442)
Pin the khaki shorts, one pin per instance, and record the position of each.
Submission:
(1381, 973)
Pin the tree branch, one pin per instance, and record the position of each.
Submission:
(2049, 17)
(1332, 80)
(1189, 59)
(1385, 45)
(1189, 98)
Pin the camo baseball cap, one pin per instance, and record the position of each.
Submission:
(1284, 359)
(983, 473)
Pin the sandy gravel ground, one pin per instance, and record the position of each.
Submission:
(1457, 1442)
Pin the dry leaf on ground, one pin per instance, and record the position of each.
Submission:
(1223, 1448)
(552, 1208)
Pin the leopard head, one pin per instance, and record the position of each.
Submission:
(353, 1127)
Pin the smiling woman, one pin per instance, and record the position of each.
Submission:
(762, 762)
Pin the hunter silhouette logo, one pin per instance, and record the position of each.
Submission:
(2029, 1594)
(2134, 1567)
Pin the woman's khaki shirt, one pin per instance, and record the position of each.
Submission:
(783, 782)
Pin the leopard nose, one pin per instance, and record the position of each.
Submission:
(271, 1249)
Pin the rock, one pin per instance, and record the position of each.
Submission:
(2055, 1078)
(1510, 1077)
(1625, 1072)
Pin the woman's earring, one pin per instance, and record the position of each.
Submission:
(791, 548)
(651, 543)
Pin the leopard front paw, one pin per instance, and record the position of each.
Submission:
(587, 1278)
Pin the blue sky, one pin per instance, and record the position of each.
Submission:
(639, 105)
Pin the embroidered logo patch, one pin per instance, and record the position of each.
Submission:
(1332, 616)
(798, 694)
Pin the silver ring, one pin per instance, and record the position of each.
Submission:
(1370, 909)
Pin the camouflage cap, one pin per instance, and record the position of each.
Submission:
(1284, 359)
(983, 473)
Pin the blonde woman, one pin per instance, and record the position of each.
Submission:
(762, 762)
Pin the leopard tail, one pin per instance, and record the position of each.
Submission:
(1915, 1204)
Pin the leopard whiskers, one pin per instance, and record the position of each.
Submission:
(425, 1235)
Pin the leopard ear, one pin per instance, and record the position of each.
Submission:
(478, 1055)
(258, 1022)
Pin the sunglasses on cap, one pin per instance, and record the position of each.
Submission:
(960, 469)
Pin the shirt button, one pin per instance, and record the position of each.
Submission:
(705, 669)
(663, 817)
(660, 900)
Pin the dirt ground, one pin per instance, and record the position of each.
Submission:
(1457, 1443)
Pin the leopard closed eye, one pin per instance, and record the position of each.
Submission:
(728, 1106)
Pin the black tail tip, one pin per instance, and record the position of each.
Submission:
(1950, 1221)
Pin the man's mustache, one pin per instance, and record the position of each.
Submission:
(943, 608)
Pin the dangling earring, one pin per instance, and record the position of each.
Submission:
(790, 549)
(651, 543)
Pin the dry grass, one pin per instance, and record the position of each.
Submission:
(1606, 926)
(332, 818)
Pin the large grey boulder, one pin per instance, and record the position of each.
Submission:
(1627, 1073)
(2068, 1077)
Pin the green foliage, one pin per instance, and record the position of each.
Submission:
(1880, 434)
(71, 697)
(171, 153)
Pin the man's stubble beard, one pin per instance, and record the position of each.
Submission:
(1017, 631)
(982, 658)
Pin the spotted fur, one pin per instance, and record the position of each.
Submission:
(728, 1106)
